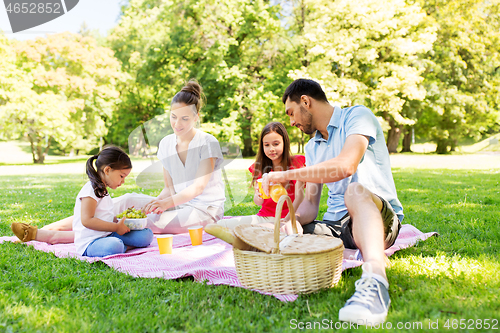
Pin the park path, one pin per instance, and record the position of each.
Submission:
(475, 161)
(484, 161)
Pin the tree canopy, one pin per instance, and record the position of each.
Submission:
(231, 47)
(462, 72)
(66, 92)
(431, 67)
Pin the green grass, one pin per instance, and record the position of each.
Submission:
(453, 276)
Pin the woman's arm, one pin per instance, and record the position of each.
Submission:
(168, 190)
(203, 175)
(165, 193)
(89, 206)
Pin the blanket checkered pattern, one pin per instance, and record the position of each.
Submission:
(213, 262)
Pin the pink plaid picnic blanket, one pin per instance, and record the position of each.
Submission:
(213, 262)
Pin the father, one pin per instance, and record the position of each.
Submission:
(349, 155)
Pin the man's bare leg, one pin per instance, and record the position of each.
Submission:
(367, 225)
(370, 303)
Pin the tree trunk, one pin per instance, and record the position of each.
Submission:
(145, 151)
(407, 138)
(246, 130)
(393, 136)
(137, 149)
(41, 156)
(302, 24)
(37, 151)
(247, 142)
(442, 146)
(453, 145)
(32, 144)
(300, 148)
(46, 152)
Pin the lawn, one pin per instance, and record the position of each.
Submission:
(437, 283)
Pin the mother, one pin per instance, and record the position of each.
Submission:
(193, 192)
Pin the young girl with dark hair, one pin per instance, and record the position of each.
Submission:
(274, 155)
(96, 230)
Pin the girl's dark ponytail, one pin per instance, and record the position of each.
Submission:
(110, 156)
(94, 177)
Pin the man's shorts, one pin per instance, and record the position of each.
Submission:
(343, 228)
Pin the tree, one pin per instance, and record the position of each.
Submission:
(366, 52)
(38, 116)
(43, 118)
(11, 78)
(461, 76)
(69, 93)
(231, 47)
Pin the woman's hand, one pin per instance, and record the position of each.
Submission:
(121, 227)
(157, 206)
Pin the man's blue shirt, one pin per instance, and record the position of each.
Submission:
(374, 170)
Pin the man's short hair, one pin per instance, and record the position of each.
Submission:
(306, 87)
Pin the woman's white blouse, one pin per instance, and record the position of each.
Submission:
(201, 147)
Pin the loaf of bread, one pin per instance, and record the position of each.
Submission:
(227, 236)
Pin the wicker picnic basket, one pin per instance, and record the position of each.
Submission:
(307, 264)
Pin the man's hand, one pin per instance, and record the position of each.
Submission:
(272, 177)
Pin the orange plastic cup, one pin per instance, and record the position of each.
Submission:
(196, 235)
(262, 194)
(165, 243)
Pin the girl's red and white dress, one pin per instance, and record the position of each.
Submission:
(267, 212)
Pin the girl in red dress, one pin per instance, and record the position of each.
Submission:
(273, 155)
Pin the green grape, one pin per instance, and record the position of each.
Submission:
(132, 213)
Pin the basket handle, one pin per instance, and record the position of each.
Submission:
(279, 208)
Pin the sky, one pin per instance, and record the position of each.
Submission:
(97, 14)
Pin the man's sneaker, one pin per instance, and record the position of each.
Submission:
(370, 302)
